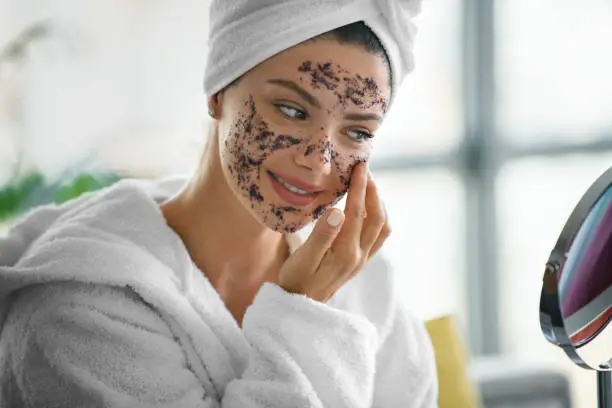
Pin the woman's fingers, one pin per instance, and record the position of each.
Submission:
(348, 241)
(336, 251)
(376, 217)
(382, 237)
(320, 240)
(296, 275)
(374, 233)
(322, 236)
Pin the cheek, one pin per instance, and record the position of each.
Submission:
(246, 144)
(254, 137)
(239, 154)
(251, 140)
(343, 164)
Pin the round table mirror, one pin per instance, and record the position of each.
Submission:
(576, 299)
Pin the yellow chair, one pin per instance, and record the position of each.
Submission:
(455, 388)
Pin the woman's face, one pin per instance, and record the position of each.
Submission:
(291, 130)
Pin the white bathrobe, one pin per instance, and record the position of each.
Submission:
(101, 306)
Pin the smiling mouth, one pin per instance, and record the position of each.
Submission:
(290, 186)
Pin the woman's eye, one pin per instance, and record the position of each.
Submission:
(292, 112)
(359, 135)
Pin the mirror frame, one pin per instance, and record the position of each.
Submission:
(551, 316)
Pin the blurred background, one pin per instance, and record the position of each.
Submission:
(505, 122)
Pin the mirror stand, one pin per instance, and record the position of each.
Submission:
(604, 389)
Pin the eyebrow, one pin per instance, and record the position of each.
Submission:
(363, 116)
(297, 89)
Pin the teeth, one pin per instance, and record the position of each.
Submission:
(289, 186)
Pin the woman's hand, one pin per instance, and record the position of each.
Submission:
(340, 244)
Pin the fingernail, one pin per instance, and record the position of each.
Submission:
(334, 218)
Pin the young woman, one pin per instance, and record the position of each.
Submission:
(200, 292)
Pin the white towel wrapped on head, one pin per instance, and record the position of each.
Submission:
(244, 33)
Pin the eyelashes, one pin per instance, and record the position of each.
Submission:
(293, 113)
(359, 135)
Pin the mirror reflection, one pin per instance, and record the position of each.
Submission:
(585, 285)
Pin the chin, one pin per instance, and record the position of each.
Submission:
(287, 224)
(274, 215)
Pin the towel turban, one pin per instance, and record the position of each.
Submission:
(244, 33)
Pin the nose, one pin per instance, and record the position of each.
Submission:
(315, 154)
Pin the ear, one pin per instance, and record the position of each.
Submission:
(214, 105)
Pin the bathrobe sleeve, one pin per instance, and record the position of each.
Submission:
(341, 356)
(406, 373)
(84, 345)
(305, 354)
(72, 345)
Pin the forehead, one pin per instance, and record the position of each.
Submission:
(345, 59)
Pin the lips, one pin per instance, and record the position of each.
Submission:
(302, 185)
(292, 191)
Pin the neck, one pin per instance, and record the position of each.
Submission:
(234, 250)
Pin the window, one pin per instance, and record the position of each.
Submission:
(426, 205)
(427, 117)
(425, 209)
(535, 141)
(554, 65)
(553, 91)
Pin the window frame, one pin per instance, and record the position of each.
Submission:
(477, 159)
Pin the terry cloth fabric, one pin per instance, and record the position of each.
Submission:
(101, 305)
(244, 33)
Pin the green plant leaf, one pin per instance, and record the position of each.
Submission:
(31, 191)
